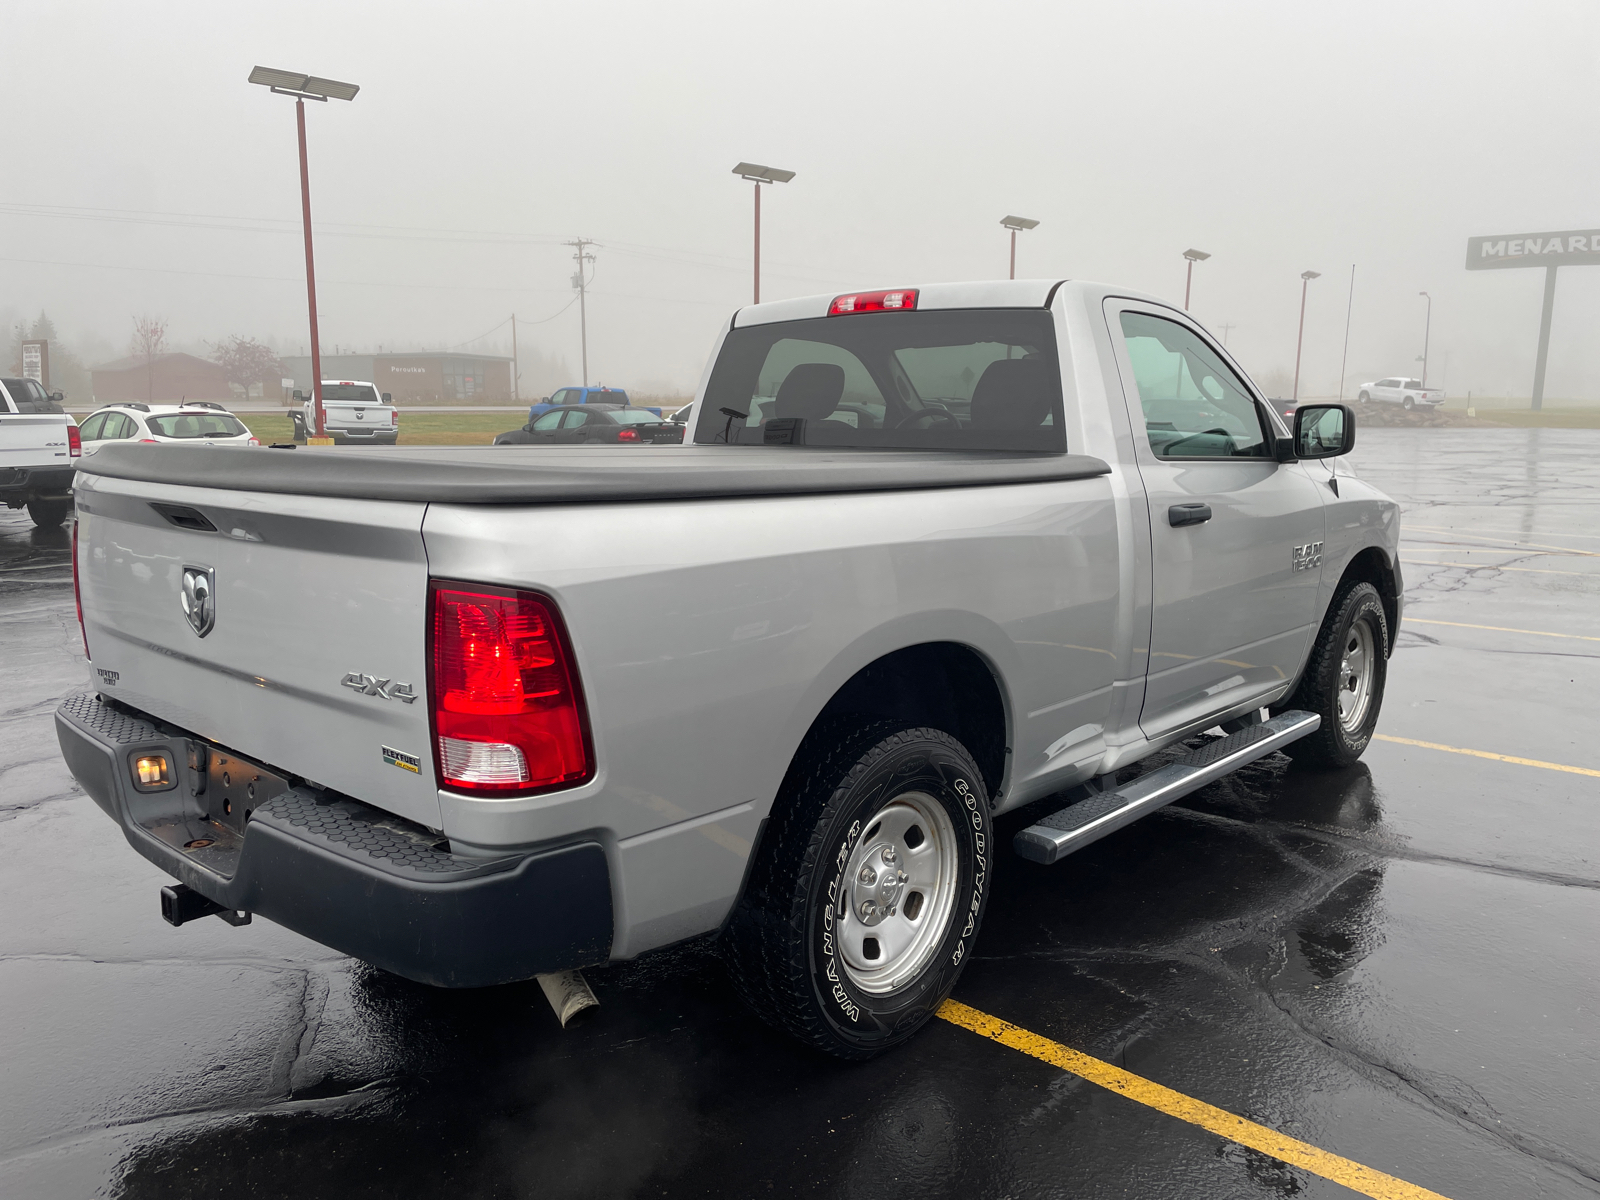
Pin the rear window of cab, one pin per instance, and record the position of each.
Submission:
(960, 379)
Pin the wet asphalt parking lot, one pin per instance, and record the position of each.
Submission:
(1396, 963)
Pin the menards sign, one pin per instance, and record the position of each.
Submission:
(1566, 248)
(1563, 248)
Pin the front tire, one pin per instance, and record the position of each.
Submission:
(869, 888)
(1365, 398)
(48, 514)
(1408, 404)
(1344, 679)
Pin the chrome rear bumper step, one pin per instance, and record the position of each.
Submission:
(1077, 825)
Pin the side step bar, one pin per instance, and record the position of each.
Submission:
(1075, 826)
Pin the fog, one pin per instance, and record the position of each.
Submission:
(147, 177)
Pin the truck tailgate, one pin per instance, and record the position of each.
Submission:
(319, 618)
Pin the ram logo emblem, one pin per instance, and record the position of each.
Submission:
(1308, 556)
(199, 598)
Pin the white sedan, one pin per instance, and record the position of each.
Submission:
(192, 423)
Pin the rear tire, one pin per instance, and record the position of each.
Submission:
(868, 890)
(1344, 679)
(1366, 399)
(48, 514)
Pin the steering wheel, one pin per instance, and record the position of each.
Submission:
(1189, 437)
(927, 419)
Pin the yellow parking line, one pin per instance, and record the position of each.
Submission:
(1510, 758)
(1196, 1112)
(1579, 637)
(1424, 562)
(1507, 541)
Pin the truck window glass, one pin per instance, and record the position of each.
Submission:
(959, 379)
(1194, 406)
(345, 393)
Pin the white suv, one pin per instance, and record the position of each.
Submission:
(195, 423)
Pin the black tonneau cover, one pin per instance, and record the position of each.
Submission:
(558, 474)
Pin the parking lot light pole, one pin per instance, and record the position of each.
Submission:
(1014, 224)
(303, 88)
(1427, 332)
(1305, 279)
(757, 174)
(1193, 256)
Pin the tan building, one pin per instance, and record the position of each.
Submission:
(420, 378)
(164, 379)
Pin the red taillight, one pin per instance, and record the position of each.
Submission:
(903, 300)
(77, 594)
(148, 442)
(508, 716)
(394, 418)
(627, 435)
(254, 442)
(74, 442)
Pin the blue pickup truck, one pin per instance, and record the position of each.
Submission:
(582, 395)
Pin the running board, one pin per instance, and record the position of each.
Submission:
(1075, 826)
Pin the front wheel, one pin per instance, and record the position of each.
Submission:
(1344, 679)
(1365, 398)
(48, 514)
(1408, 404)
(868, 890)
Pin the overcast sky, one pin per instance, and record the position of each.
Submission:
(146, 175)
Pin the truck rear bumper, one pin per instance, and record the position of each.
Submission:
(364, 437)
(21, 484)
(346, 874)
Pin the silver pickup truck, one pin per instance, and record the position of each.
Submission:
(930, 555)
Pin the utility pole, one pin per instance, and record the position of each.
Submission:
(757, 174)
(580, 281)
(1225, 329)
(1014, 224)
(1193, 256)
(515, 370)
(1349, 307)
(1305, 280)
(1427, 332)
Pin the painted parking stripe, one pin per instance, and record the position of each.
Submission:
(1423, 562)
(1577, 637)
(1215, 1120)
(1510, 758)
(1478, 537)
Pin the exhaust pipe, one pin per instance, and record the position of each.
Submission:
(568, 992)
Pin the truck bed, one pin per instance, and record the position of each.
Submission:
(594, 474)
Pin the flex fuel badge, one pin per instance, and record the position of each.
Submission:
(399, 758)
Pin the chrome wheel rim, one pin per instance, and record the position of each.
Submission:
(897, 894)
(1356, 667)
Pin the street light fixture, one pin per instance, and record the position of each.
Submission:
(1427, 331)
(1014, 224)
(1193, 256)
(303, 88)
(757, 174)
(1305, 279)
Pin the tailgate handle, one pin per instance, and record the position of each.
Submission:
(1188, 514)
(184, 517)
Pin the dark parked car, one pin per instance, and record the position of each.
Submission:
(594, 423)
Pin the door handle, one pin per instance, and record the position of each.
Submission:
(1188, 514)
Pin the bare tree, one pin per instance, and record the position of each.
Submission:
(247, 362)
(149, 343)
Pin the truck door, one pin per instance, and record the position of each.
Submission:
(1236, 536)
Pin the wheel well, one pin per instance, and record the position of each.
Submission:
(1372, 566)
(941, 684)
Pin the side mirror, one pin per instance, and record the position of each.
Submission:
(58, 397)
(1324, 430)
(387, 398)
(300, 397)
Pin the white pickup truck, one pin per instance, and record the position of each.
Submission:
(38, 445)
(474, 715)
(1408, 393)
(353, 413)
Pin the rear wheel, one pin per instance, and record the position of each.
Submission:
(1365, 398)
(869, 888)
(48, 514)
(1344, 679)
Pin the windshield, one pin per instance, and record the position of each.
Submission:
(963, 379)
(195, 425)
(634, 416)
(359, 393)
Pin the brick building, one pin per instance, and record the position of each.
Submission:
(420, 378)
(164, 379)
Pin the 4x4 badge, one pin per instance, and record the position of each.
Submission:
(369, 685)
